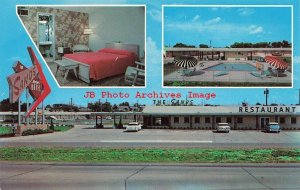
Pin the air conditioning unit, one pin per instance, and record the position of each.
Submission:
(22, 11)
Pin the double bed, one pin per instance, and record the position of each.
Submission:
(109, 61)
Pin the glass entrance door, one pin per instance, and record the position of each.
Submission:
(263, 122)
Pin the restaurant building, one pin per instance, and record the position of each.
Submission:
(207, 117)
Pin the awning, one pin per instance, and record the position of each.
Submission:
(276, 62)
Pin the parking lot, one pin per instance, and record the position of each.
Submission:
(86, 135)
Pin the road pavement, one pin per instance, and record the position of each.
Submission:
(149, 176)
(87, 136)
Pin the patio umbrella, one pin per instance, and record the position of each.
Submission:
(185, 61)
(276, 62)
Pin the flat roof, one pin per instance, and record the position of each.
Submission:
(220, 110)
(191, 110)
(229, 49)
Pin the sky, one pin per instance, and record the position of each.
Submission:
(222, 26)
(14, 41)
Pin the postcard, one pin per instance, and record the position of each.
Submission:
(136, 94)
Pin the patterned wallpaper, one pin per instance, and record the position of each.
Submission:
(69, 25)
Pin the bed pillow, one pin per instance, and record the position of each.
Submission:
(119, 52)
(80, 48)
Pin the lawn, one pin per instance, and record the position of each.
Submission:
(5, 130)
(63, 128)
(150, 155)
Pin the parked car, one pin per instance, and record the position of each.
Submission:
(223, 127)
(273, 127)
(134, 126)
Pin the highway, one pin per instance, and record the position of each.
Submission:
(149, 176)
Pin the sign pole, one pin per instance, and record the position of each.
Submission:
(19, 111)
(27, 106)
(43, 113)
(36, 117)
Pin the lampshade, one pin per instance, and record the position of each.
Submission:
(88, 31)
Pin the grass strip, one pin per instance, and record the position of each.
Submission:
(5, 130)
(62, 128)
(153, 155)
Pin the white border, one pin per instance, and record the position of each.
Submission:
(90, 5)
(242, 6)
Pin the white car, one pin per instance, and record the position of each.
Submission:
(223, 127)
(133, 126)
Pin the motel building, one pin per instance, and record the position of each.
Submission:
(207, 117)
(229, 54)
(185, 117)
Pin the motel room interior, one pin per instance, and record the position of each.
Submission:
(89, 46)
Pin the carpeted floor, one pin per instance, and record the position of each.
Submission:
(71, 80)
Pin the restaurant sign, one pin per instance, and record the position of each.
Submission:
(267, 109)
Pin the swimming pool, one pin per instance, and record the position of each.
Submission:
(232, 67)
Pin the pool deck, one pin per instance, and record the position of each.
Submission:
(202, 75)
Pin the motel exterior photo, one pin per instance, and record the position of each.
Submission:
(207, 117)
(263, 67)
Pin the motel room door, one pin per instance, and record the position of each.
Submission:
(263, 122)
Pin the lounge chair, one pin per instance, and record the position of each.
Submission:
(221, 73)
(135, 75)
(263, 74)
(187, 72)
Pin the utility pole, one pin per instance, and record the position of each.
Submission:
(299, 97)
(266, 92)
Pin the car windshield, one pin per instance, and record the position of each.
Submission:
(223, 124)
(274, 125)
(130, 124)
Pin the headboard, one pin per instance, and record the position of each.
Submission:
(130, 47)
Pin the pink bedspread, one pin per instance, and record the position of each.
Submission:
(105, 63)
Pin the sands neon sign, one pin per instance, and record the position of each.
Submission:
(31, 78)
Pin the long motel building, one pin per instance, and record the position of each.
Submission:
(207, 117)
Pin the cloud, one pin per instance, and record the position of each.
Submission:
(155, 15)
(213, 21)
(214, 8)
(196, 18)
(253, 29)
(245, 11)
(153, 53)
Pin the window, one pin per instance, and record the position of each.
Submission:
(186, 119)
(207, 119)
(294, 120)
(239, 120)
(228, 120)
(197, 119)
(282, 120)
(176, 119)
(276, 119)
(218, 119)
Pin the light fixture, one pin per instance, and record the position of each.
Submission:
(88, 31)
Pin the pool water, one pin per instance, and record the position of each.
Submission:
(232, 67)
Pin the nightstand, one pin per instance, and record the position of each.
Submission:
(63, 50)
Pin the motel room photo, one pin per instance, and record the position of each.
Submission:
(89, 46)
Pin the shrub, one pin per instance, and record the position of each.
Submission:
(36, 132)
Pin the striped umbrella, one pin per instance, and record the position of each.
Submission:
(276, 62)
(185, 61)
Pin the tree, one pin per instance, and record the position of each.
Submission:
(5, 105)
(181, 45)
(203, 46)
(124, 104)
